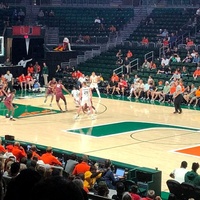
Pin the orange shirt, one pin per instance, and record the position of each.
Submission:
(30, 70)
(22, 79)
(197, 73)
(115, 78)
(29, 78)
(197, 93)
(172, 89)
(18, 152)
(129, 54)
(34, 154)
(48, 158)
(81, 168)
(2, 149)
(145, 41)
(165, 43)
(190, 43)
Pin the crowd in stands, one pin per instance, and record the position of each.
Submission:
(186, 178)
(26, 173)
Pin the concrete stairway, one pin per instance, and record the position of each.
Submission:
(140, 13)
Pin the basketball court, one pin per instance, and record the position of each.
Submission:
(137, 133)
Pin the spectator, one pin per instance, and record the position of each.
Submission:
(29, 81)
(191, 175)
(165, 92)
(152, 65)
(151, 196)
(82, 167)
(190, 94)
(179, 173)
(146, 64)
(45, 73)
(122, 85)
(2, 149)
(165, 61)
(188, 59)
(129, 54)
(56, 188)
(111, 86)
(71, 163)
(34, 151)
(51, 13)
(18, 151)
(23, 62)
(37, 70)
(119, 61)
(145, 41)
(119, 53)
(161, 69)
(80, 39)
(196, 73)
(189, 44)
(196, 97)
(184, 72)
(22, 81)
(127, 65)
(41, 14)
(126, 196)
(133, 192)
(30, 69)
(8, 63)
(108, 175)
(48, 157)
(102, 189)
(90, 177)
(196, 58)
(97, 21)
(176, 76)
(158, 91)
(120, 188)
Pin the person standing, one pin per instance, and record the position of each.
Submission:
(9, 105)
(50, 90)
(178, 97)
(59, 94)
(94, 79)
(45, 73)
(9, 78)
(37, 70)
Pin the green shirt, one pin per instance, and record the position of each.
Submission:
(45, 70)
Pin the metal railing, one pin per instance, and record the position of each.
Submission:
(149, 56)
(134, 64)
(119, 70)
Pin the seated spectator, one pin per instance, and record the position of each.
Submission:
(175, 58)
(135, 88)
(195, 98)
(51, 13)
(119, 53)
(18, 151)
(115, 77)
(196, 58)
(189, 44)
(179, 173)
(111, 86)
(108, 175)
(126, 196)
(151, 90)
(86, 39)
(172, 40)
(158, 90)
(145, 41)
(151, 196)
(80, 39)
(122, 85)
(34, 151)
(29, 81)
(176, 75)
(164, 33)
(102, 189)
(22, 81)
(8, 63)
(152, 65)
(165, 92)
(90, 177)
(165, 61)
(196, 73)
(184, 72)
(165, 42)
(150, 80)
(48, 157)
(41, 14)
(193, 54)
(56, 188)
(82, 167)
(97, 20)
(146, 64)
(191, 175)
(119, 61)
(120, 188)
(151, 21)
(133, 192)
(112, 29)
(198, 12)
(71, 163)
(188, 59)
(189, 93)
(161, 69)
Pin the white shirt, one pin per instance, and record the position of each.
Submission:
(165, 61)
(85, 93)
(179, 174)
(75, 94)
(81, 79)
(8, 77)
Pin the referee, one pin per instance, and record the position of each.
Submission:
(178, 98)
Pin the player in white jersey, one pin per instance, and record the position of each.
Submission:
(86, 99)
(76, 95)
(94, 79)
